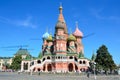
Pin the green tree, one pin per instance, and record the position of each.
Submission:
(93, 57)
(104, 60)
(40, 55)
(16, 63)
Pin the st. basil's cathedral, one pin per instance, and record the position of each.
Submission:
(61, 53)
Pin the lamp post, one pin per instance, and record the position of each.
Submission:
(94, 70)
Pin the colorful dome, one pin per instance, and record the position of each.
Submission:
(71, 38)
(49, 38)
(78, 33)
(60, 25)
(45, 36)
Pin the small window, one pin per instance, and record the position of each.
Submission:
(70, 57)
(58, 57)
(84, 62)
(32, 63)
(80, 62)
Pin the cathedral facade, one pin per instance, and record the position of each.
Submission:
(62, 52)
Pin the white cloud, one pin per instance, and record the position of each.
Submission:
(24, 23)
(97, 14)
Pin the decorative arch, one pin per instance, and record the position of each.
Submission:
(58, 57)
(84, 62)
(80, 62)
(38, 69)
(71, 57)
(70, 67)
(25, 66)
(48, 57)
(49, 67)
(39, 62)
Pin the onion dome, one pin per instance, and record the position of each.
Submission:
(71, 38)
(77, 32)
(45, 36)
(60, 25)
(50, 38)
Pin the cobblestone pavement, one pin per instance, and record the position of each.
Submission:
(23, 76)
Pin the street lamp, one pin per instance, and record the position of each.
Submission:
(94, 70)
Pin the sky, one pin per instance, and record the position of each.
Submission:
(21, 21)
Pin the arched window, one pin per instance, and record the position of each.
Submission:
(71, 57)
(48, 57)
(38, 69)
(38, 61)
(58, 57)
(84, 62)
(43, 59)
(80, 62)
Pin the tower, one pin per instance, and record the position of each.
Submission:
(61, 34)
(79, 35)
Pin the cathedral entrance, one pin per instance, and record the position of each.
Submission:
(49, 67)
(70, 67)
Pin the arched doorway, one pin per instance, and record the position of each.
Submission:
(25, 66)
(39, 69)
(49, 67)
(70, 67)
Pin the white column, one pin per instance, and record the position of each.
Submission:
(28, 66)
(22, 66)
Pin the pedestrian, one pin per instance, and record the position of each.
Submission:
(88, 74)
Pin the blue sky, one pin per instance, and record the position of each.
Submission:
(22, 20)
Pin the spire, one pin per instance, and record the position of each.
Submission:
(61, 22)
(60, 8)
(76, 24)
(61, 18)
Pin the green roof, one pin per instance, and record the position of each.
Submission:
(50, 38)
(22, 52)
(71, 38)
(71, 54)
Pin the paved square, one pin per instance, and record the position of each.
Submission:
(23, 76)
